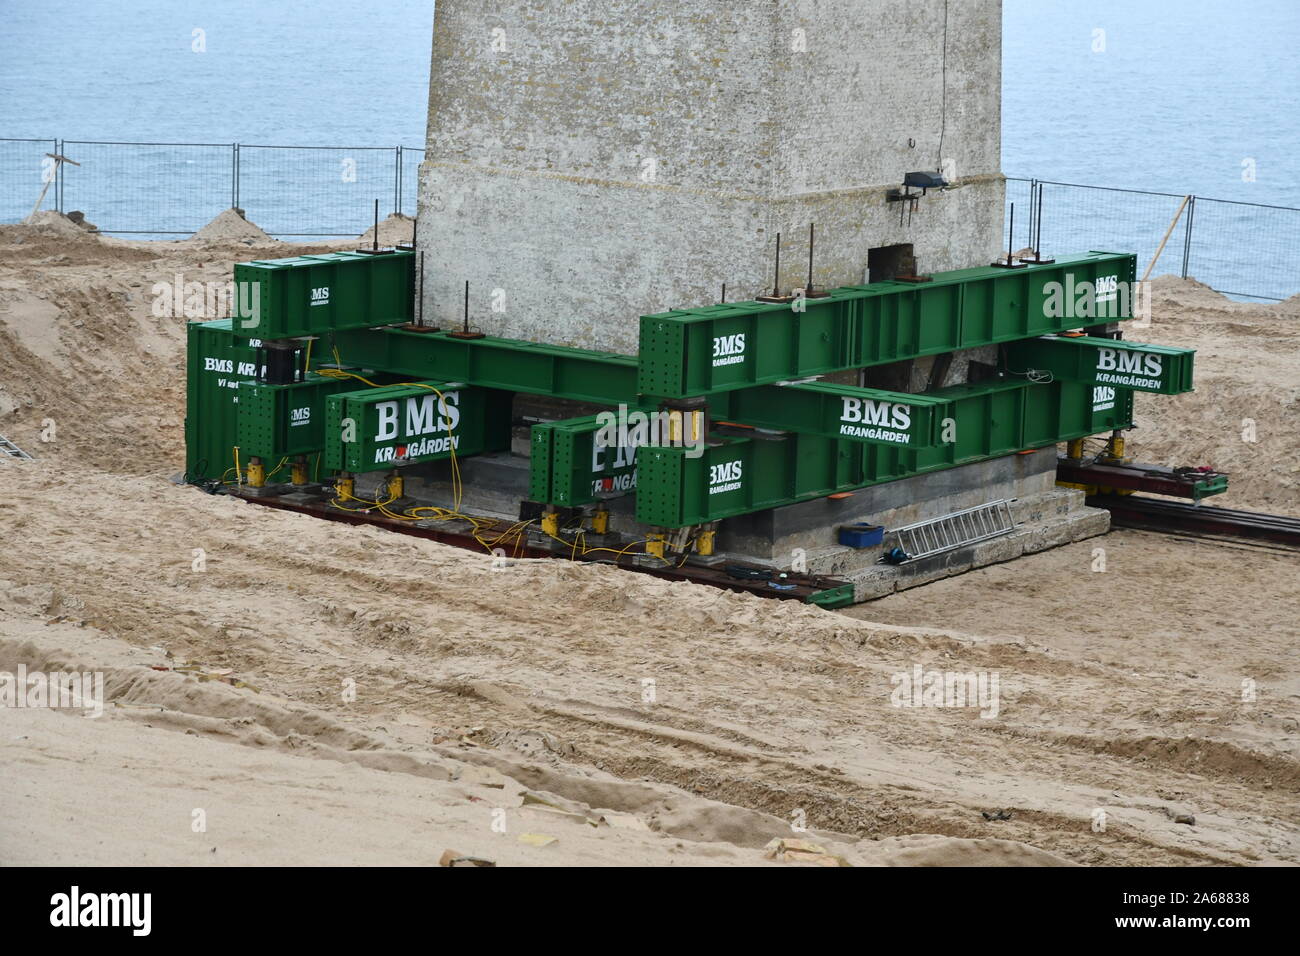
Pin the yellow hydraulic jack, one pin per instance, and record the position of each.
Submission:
(344, 485)
(396, 486)
(256, 473)
(600, 520)
(704, 542)
(551, 522)
(685, 426)
(298, 470)
(655, 544)
(1114, 453)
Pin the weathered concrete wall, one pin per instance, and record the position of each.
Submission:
(594, 160)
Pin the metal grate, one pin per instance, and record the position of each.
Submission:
(13, 451)
(955, 530)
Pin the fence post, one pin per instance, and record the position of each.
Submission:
(58, 179)
(397, 183)
(234, 175)
(1187, 236)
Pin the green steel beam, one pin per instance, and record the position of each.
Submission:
(841, 596)
(376, 428)
(572, 463)
(738, 476)
(218, 363)
(693, 352)
(1119, 364)
(541, 482)
(721, 348)
(311, 295)
(281, 421)
(606, 378)
(837, 411)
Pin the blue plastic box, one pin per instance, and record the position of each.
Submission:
(861, 535)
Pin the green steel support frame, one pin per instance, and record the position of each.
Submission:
(742, 359)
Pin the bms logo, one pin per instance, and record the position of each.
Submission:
(1129, 363)
(422, 416)
(1103, 398)
(725, 476)
(300, 416)
(865, 418)
(728, 349)
(1107, 288)
(320, 295)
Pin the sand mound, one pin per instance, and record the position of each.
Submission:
(47, 220)
(928, 849)
(396, 228)
(231, 224)
(1242, 416)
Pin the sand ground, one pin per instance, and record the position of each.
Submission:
(328, 694)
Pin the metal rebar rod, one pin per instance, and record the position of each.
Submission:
(776, 279)
(1011, 233)
(811, 238)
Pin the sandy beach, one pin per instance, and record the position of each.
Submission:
(324, 694)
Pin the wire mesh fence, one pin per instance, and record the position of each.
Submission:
(169, 189)
(164, 190)
(1246, 250)
(408, 181)
(316, 190)
(26, 173)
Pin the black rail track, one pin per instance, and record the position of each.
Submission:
(809, 588)
(1182, 517)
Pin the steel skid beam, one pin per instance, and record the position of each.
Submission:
(605, 378)
(1113, 362)
(868, 415)
(740, 475)
(693, 352)
(377, 428)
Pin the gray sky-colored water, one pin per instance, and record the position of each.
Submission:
(1177, 95)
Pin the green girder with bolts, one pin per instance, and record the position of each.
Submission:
(776, 437)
